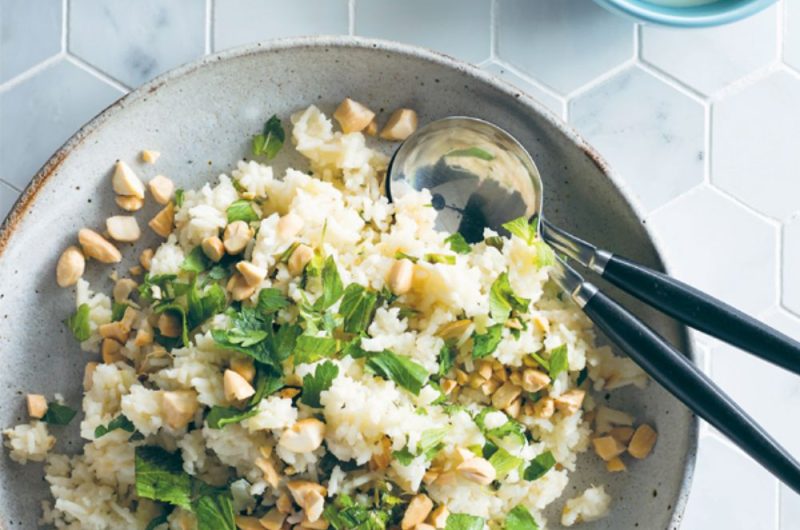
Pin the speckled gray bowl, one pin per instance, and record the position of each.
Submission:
(201, 117)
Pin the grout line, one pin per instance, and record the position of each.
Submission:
(673, 82)
(791, 70)
(64, 25)
(685, 193)
(779, 265)
(493, 29)
(783, 21)
(525, 77)
(31, 72)
(10, 185)
(708, 138)
(209, 27)
(637, 41)
(746, 81)
(80, 63)
(764, 217)
(351, 17)
(599, 80)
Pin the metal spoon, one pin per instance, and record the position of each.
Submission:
(480, 176)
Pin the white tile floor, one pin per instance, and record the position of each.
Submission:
(704, 125)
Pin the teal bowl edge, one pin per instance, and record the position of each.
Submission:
(715, 14)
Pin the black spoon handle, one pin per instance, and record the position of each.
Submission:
(703, 312)
(684, 380)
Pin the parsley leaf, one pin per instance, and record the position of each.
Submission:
(473, 152)
(504, 462)
(539, 466)
(241, 210)
(458, 244)
(544, 363)
(160, 477)
(400, 369)
(309, 348)
(271, 300)
(520, 519)
(463, 521)
(447, 357)
(332, 288)
(559, 362)
(502, 299)
(523, 229)
(404, 456)
(58, 414)
(78, 323)
(270, 141)
(484, 344)
(202, 306)
(195, 261)
(357, 308)
(313, 385)
(431, 442)
(120, 422)
(285, 340)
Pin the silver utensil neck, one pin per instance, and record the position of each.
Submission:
(574, 247)
(573, 283)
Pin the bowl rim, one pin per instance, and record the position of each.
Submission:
(28, 197)
(686, 17)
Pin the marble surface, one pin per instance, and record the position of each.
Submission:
(704, 125)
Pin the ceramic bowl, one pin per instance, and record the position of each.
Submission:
(683, 14)
(201, 117)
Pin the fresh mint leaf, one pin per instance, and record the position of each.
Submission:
(120, 422)
(559, 361)
(313, 385)
(502, 299)
(163, 284)
(484, 344)
(78, 323)
(270, 141)
(160, 477)
(504, 462)
(472, 152)
(196, 261)
(545, 257)
(463, 521)
(539, 466)
(400, 369)
(458, 244)
(357, 308)
(310, 348)
(213, 509)
(285, 340)
(241, 210)
(271, 300)
(523, 229)
(447, 357)
(332, 288)
(520, 519)
(445, 259)
(58, 414)
(202, 306)
(267, 382)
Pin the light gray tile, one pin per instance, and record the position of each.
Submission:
(135, 41)
(754, 138)
(714, 244)
(243, 21)
(791, 265)
(790, 509)
(649, 132)
(46, 110)
(8, 196)
(729, 491)
(456, 27)
(30, 32)
(710, 58)
(563, 43)
(791, 42)
(551, 102)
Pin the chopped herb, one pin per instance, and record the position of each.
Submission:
(447, 357)
(218, 272)
(248, 327)
(357, 308)
(310, 348)
(502, 299)
(160, 477)
(431, 442)
(559, 362)
(539, 466)
(267, 382)
(158, 287)
(120, 422)
(332, 288)
(196, 261)
(400, 369)
(445, 259)
(545, 257)
(241, 210)
(118, 311)
(214, 509)
(582, 375)
(473, 152)
(458, 244)
(284, 257)
(402, 255)
(271, 300)
(520, 519)
(78, 323)
(484, 344)
(463, 521)
(404, 456)
(202, 306)
(346, 514)
(179, 194)
(220, 416)
(322, 379)
(285, 340)
(509, 428)
(495, 241)
(270, 141)
(522, 228)
(544, 363)
(58, 414)
(504, 462)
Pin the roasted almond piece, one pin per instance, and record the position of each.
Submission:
(372, 128)
(505, 395)
(310, 496)
(110, 350)
(401, 276)
(37, 406)
(239, 288)
(271, 475)
(570, 401)
(146, 258)
(304, 436)
(607, 417)
(213, 248)
(149, 156)
(125, 181)
(454, 330)
(244, 367)
(514, 408)
(123, 289)
(353, 116)
(88, 375)
(118, 331)
(70, 267)
(383, 458)
(401, 124)
(251, 273)
(236, 236)
(642, 442)
(447, 386)
(247, 522)
(544, 408)
(273, 519)
(169, 325)
(301, 256)
(417, 511)
(607, 447)
(236, 387)
(179, 407)
(129, 203)
(123, 228)
(622, 434)
(438, 517)
(477, 470)
(533, 380)
(289, 226)
(615, 465)
(163, 220)
(96, 246)
(284, 503)
(161, 189)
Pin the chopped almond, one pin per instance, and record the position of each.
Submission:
(123, 228)
(514, 408)
(271, 475)
(417, 511)
(447, 386)
(289, 392)
(244, 367)
(236, 387)
(505, 395)
(273, 520)
(304, 436)
(424, 526)
(477, 470)
(123, 289)
(570, 401)
(485, 369)
(88, 375)
(299, 259)
(144, 337)
(615, 465)
(70, 267)
(213, 248)
(401, 124)
(542, 324)
(533, 380)
(607, 447)
(438, 517)
(454, 330)
(161, 189)
(289, 226)
(115, 330)
(169, 325)
(372, 128)
(111, 351)
(353, 116)
(179, 407)
(284, 503)
(96, 246)
(251, 273)
(246, 522)
(163, 220)
(642, 442)
(489, 387)
(125, 181)
(37, 406)
(129, 203)
(239, 288)
(149, 156)
(310, 496)
(622, 434)
(236, 237)
(544, 408)
(401, 276)
(607, 417)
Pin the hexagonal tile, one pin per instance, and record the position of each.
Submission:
(648, 131)
(46, 110)
(791, 264)
(8, 196)
(562, 43)
(711, 58)
(790, 509)
(791, 39)
(423, 23)
(741, 375)
(551, 102)
(241, 21)
(30, 32)
(754, 145)
(135, 41)
(713, 243)
(726, 477)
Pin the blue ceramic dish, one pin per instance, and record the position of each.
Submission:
(711, 14)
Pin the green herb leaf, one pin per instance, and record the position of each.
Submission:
(163, 283)
(241, 210)
(120, 422)
(58, 414)
(310, 348)
(332, 288)
(158, 520)
(523, 229)
(559, 362)
(179, 195)
(217, 272)
(473, 152)
(271, 300)
(176, 310)
(499, 434)
(219, 416)
(269, 142)
(117, 311)
(268, 381)
(78, 323)
(202, 306)
(313, 385)
(404, 456)
(463, 521)
(402, 255)
(582, 375)
(545, 257)
(520, 519)
(285, 340)
(445, 259)
(544, 363)
(504, 462)
(495, 241)
(357, 308)
(160, 477)
(484, 344)
(214, 510)
(400, 369)
(447, 357)
(458, 244)
(539, 466)
(502, 299)
(430, 442)
(196, 261)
